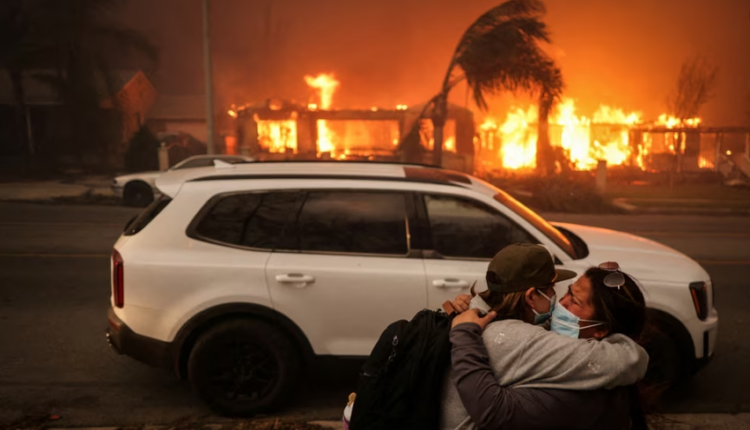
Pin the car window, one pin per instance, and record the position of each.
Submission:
(146, 216)
(256, 220)
(465, 228)
(537, 221)
(353, 222)
(198, 162)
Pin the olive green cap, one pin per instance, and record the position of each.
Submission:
(521, 266)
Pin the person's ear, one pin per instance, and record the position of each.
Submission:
(529, 298)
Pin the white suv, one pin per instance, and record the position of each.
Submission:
(236, 277)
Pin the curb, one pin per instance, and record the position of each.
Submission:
(334, 425)
(664, 422)
(624, 204)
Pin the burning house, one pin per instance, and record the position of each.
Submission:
(284, 130)
(617, 137)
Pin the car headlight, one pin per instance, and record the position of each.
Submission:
(699, 293)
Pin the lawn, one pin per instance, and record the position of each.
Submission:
(682, 192)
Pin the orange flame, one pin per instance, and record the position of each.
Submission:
(518, 138)
(585, 141)
(277, 136)
(325, 85)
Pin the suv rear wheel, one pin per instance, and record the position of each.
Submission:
(240, 367)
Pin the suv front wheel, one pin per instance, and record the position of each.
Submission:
(240, 367)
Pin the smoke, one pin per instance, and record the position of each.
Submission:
(388, 52)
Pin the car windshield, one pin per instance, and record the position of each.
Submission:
(537, 221)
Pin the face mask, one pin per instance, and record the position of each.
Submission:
(542, 318)
(565, 322)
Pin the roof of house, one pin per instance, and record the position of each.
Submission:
(39, 89)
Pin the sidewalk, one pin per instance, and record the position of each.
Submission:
(670, 422)
(52, 190)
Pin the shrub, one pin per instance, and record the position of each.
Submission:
(143, 151)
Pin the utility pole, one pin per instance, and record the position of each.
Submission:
(209, 81)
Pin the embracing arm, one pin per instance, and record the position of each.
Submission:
(489, 405)
(522, 355)
(492, 406)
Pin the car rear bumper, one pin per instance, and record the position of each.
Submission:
(144, 349)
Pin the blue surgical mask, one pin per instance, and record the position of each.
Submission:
(566, 323)
(542, 318)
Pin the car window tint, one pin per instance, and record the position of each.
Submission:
(469, 229)
(353, 222)
(253, 219)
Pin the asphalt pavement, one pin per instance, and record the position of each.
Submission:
(54, 292)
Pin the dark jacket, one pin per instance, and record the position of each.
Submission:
(493, 407)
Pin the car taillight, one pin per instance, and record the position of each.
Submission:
(699, 293)
(118, 286)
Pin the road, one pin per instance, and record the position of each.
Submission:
(54, 292)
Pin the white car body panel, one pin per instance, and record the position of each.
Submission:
(663, 272)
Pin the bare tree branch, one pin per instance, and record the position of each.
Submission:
(695, 87)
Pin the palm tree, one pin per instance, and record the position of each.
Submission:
(551, 83)
(500, 52)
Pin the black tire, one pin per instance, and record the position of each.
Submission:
(241, 367)
(668, 353)
(137, 194)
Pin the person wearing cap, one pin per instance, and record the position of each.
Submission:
(509, 371)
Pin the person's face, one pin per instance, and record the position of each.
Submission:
(579, 301)
(538, 302)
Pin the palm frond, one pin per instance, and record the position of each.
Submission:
(126, 40)
(500, 51)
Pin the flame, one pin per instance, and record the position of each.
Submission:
(232, 113)
(705, 164)
(325, 85)
(584, 141)
(278, 136)
(450, 144)
(518, 138)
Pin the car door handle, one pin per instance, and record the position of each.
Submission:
(450, 283)
(295, 279)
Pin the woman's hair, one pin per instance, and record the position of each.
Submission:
(508, 306)
(623, 309)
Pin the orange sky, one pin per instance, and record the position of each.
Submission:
(623, 53)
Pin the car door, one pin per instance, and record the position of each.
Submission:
(350, 272)
(465, 234)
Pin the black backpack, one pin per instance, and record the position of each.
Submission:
(400, 384)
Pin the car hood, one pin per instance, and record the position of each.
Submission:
(645, 259)
(144, 176)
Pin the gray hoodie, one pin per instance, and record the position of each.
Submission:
(527, 356)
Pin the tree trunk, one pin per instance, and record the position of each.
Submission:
(439, 114)
(545, 165)
(24, 126)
